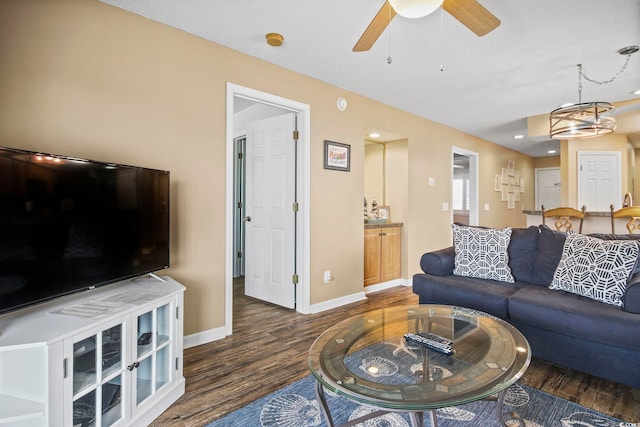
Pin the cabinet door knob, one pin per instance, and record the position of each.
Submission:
(133, 366)
(247, 219)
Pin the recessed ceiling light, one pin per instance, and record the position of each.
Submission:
(518, 136)
(551, 152)
(636, 92)
(566, 104)
(374, 135)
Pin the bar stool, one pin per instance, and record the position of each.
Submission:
(564, 216)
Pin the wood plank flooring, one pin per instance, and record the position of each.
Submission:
(268, 350)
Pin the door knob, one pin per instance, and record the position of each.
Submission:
(247, 219)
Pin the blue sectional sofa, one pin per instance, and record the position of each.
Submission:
(562, 327)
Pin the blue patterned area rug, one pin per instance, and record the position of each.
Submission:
(296, 406)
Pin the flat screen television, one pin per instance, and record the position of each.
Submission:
(68, 225)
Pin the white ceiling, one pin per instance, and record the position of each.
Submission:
(488, 86)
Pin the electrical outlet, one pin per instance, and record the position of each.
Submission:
(445, 206)
(327, 276)
(486, 206)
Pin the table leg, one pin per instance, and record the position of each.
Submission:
(323, 403)
(417, 418)
(514, 415)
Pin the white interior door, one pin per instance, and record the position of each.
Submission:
(548, 186)
(599, 180)
(270, 217)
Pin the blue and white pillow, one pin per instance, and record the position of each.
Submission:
(595, 268)
(482, 252)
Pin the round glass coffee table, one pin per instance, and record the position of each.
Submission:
(366, 359)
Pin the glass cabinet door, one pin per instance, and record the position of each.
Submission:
(97, 378)
(154, 337)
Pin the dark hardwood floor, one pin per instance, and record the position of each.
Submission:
(268, 350)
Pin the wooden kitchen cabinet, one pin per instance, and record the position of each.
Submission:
(382, 253)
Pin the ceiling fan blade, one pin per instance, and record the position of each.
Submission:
(375, 28)
(472, 15)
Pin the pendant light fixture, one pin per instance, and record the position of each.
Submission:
(588, 119)
(415, 8)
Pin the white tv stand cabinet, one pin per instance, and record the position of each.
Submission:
(111, 356)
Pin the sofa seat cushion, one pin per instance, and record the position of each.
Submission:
(480, 294)
(576, 316)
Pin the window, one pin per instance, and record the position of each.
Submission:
(461, 194)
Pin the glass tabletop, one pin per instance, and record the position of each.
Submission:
(367, 359)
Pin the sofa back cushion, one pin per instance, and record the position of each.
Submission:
(595, 268)
(522, 252)
(482, 253)
(548, 253)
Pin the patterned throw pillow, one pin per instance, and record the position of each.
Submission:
(482, 252)
(595, 268)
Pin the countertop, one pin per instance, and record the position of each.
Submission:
(383, 225)
(587, 213)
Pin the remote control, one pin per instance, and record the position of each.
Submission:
(429, 343)
(436, 338)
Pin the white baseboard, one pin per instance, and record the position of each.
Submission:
(204, 337)
(338, 302)
(386, 285)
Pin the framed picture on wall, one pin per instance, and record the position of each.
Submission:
(337, 156)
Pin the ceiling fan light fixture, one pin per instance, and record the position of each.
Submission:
(415, 8)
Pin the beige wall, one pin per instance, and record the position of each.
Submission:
(373, 173)
(85, 79)
(546, 162)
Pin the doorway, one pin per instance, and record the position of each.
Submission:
(464, 186)
(246, 107)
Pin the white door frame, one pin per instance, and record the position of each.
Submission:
(303, 248)
(473, 180)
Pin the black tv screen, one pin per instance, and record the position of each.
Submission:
(68, 225)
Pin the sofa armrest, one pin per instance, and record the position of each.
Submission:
(631, 297)
(440, 262)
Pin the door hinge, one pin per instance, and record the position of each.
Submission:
(240, 156)
(239, 254)
(64, 368)
(296, 207)
(239, 205)
(294, 279)
(296, 135)
(177, 312)
(177, 363)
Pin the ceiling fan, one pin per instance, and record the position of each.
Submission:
(469, 12)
